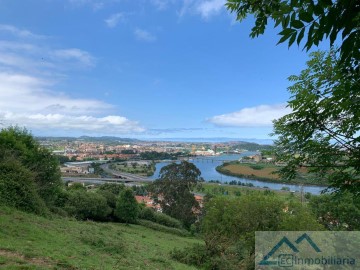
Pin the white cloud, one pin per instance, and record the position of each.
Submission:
(26, 101)
(28, 74)
(144, 35)
(114, 19)
(204, 8)
(160, 4)
(94, 4)
(260, 116)
(82, 57)
(18, 32)
(210, 8)
(38, 57)
(28, 94)
(111, 124)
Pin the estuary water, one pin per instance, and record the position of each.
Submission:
(207, 167)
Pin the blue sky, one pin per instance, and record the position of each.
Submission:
(141, 69)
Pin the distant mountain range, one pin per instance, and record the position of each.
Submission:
(189, 140)
(215, 140)
(90, 139)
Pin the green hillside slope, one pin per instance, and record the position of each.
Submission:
(32, 242)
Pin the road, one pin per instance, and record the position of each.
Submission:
(102, 180)
(125, 176)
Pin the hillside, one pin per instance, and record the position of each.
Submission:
(32, 242)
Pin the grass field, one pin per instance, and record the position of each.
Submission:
(245, 169)
(266, 172)
(142, 170)
(32, 242)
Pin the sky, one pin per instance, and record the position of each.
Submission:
(140, 69)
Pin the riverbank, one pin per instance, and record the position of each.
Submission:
(220, 189)
(264, 172)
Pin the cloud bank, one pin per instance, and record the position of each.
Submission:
(30, 70)
(259, 116)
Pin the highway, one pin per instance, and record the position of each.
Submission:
(102, 180)
(125, 176)
(119, 177)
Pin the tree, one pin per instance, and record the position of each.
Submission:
(20, 145)
(127, 208)
(307, 19)
(322, 132)
(111, 193)
(63, 159)
(337, 212)
(230, 224)
(174, 187)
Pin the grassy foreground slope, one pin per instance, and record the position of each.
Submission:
(31, 242)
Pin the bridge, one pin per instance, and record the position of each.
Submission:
(209, 159)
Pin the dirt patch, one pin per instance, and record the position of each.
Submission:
(34, 261)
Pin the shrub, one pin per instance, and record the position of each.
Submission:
(160, 218)
(113, 188)
(166, 220)
(20, 145)
(17, 187)
(256, 167)
(147, 213)
(87, 205)
(127, 209)
(196, 255)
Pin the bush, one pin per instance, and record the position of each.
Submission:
(160, 218)
(196, 255)
(87, 205)
(21, 146)
(147, 213)
(17, 188)
(167, 221)
(256, 167)
(113, 188)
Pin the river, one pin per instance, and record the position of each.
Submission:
(207, 167)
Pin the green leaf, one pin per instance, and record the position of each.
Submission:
(282, 39)
(292, 39)
(348, 45)
(305, 16)
(300, 36)
(277, 22)
(286, 21)
(297, 24)
(287, 32)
